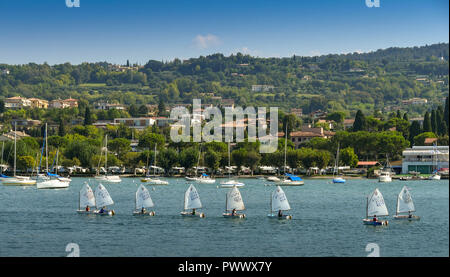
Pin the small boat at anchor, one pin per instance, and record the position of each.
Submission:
(233, 204)
(405, 206)
(231, 182)
(153, 180)
(375, 207)
(192, 203)
(337, 179)
(142, 202)
(279, 203)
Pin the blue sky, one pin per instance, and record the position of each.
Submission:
(139, 30)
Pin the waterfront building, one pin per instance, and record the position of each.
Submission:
(420, 159)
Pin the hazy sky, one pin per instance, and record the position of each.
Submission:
(139, 30)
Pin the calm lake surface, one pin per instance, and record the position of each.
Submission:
(327, 221)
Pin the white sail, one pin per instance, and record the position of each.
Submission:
(404, 202)
(102, 197)
(279, 200)
(234, 200)
(376, 205)
(143, 199)
(87, 197)
(192, 199)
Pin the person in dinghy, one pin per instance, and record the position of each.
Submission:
(405, 205)
(103, 199)
(375, 206)
(234, 203)
(279, 202)
(143, 201)
(192, 202)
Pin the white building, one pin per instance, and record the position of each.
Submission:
(135, 122)
(420, 159)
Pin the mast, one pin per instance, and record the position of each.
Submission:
(56, 168)
(106, 155)
(229, 163)
(285, 149)
(367, 207)
(148, 169)
(336, 163)
(46, 148)
(15, 146)
(3, 148)
(154, 169)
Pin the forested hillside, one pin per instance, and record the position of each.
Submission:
(347, 82)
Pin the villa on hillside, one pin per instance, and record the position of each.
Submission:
(17, 102)
(299, 137)
(62, 104)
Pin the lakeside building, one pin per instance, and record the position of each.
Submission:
(109, 106)
(62, 104)
(297, 111)
(136, 122)
(17, 102)
(306, 134)
(38, 103)
(425, 159)
(9, 136)
(415, 101)
(348, 123)
(25, 123)
(262, 88)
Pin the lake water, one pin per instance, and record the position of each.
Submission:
(327, 221)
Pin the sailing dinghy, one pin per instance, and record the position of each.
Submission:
(86, 200)
(143, 201)
(279, 203)
(103, 199)
(192, 202)
(405, 206)
(233, 204)
(375, 207)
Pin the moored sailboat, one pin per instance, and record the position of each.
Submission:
(337, 179)
(405, 206)
(231, 182)
(142, 202)
(278, 204)
(192, 202)
(375, 207)
(46, 181)
(234, 203)
(289, 179)
(435, 175)
(153, 180)
(106, 177)
(17, 180)
(385, 174)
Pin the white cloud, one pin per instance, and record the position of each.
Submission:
(314, 53)
(247, 51)
(203, 42)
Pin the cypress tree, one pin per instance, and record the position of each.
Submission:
(87, 117)
(427, 123)
(61, 128)
(440, 121)
(414, 130)
(360, 121)
(405, 117)
(433, 122)
(399, 115)
(446, 111)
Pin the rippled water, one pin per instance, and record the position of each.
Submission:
(327, 221)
